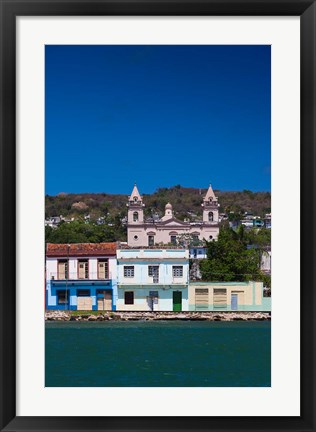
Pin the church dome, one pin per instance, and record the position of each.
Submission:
(168, 206)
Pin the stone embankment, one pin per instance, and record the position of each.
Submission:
(156, 316)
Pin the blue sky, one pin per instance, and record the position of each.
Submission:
(158, 116)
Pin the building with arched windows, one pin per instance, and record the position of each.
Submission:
(168, 229)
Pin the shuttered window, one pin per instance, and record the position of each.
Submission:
(63, 269)
(83, 272)
(103, 269)
(201, 298)
(220, 297)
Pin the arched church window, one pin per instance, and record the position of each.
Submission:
(210, 216)
(135, 216)
(211, 199)
(135, 199)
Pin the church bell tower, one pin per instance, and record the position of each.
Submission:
(135, 206)
(210, 207)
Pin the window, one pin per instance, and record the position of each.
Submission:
(128, 271)
(62, 297)
(83, 293)
(210, 216)
(173, 239)
(63, 269)
(195, 237)
(220, 298)
(177, 271)
(129, 297)
(135, 237)
(103, 269)
(135, 199)
(210, 237)
(135, 216)
(201, 298)
(151, 240)
(83, 272)
(154, 272)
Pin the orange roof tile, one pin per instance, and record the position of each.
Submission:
(80, 249)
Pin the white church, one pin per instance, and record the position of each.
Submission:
(168, 229)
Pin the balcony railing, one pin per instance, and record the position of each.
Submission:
(153, 281)
(76, 276)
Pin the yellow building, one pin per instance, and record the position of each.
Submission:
(226, 296)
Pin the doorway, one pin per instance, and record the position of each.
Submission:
(234, 302)
(177, 301)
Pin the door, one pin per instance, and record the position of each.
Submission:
(153, 300)
(105, 301)
(108, 300)
(84, 303)
(177, 301)
(82, 269)
(102, 269)
(63, 269)
(154, 272)
(234, 302)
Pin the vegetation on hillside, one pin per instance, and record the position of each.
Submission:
(186, 203)
(80, 231)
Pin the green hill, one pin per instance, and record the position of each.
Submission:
(186, 203)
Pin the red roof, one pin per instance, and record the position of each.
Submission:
(80, 249)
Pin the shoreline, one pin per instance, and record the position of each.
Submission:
(156, 316)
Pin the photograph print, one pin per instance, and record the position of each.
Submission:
(158, 216)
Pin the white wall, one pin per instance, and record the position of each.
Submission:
(165, 299)
(52, 268)
(141, 259)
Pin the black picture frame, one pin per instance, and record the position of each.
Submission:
(9, 11)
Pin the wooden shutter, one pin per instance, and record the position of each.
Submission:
(82, 271)
(220, 297)
(201, 298)
(103, 269)
(61, 270)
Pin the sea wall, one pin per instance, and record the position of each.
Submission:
(154, 316)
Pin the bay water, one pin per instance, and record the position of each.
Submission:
(158, 354)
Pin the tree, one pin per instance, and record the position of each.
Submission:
(229, 259)
(188, 240)
(80, 231)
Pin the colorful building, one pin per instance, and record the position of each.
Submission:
(81, 276)
(168, 229)
(228, 296)
(153, 279)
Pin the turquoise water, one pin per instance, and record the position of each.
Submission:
(152, 354)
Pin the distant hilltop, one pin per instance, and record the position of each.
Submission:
(186, 203)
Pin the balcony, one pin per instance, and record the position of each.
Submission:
(151, 282)
(74, 276)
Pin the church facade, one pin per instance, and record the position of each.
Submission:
(168, 229)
